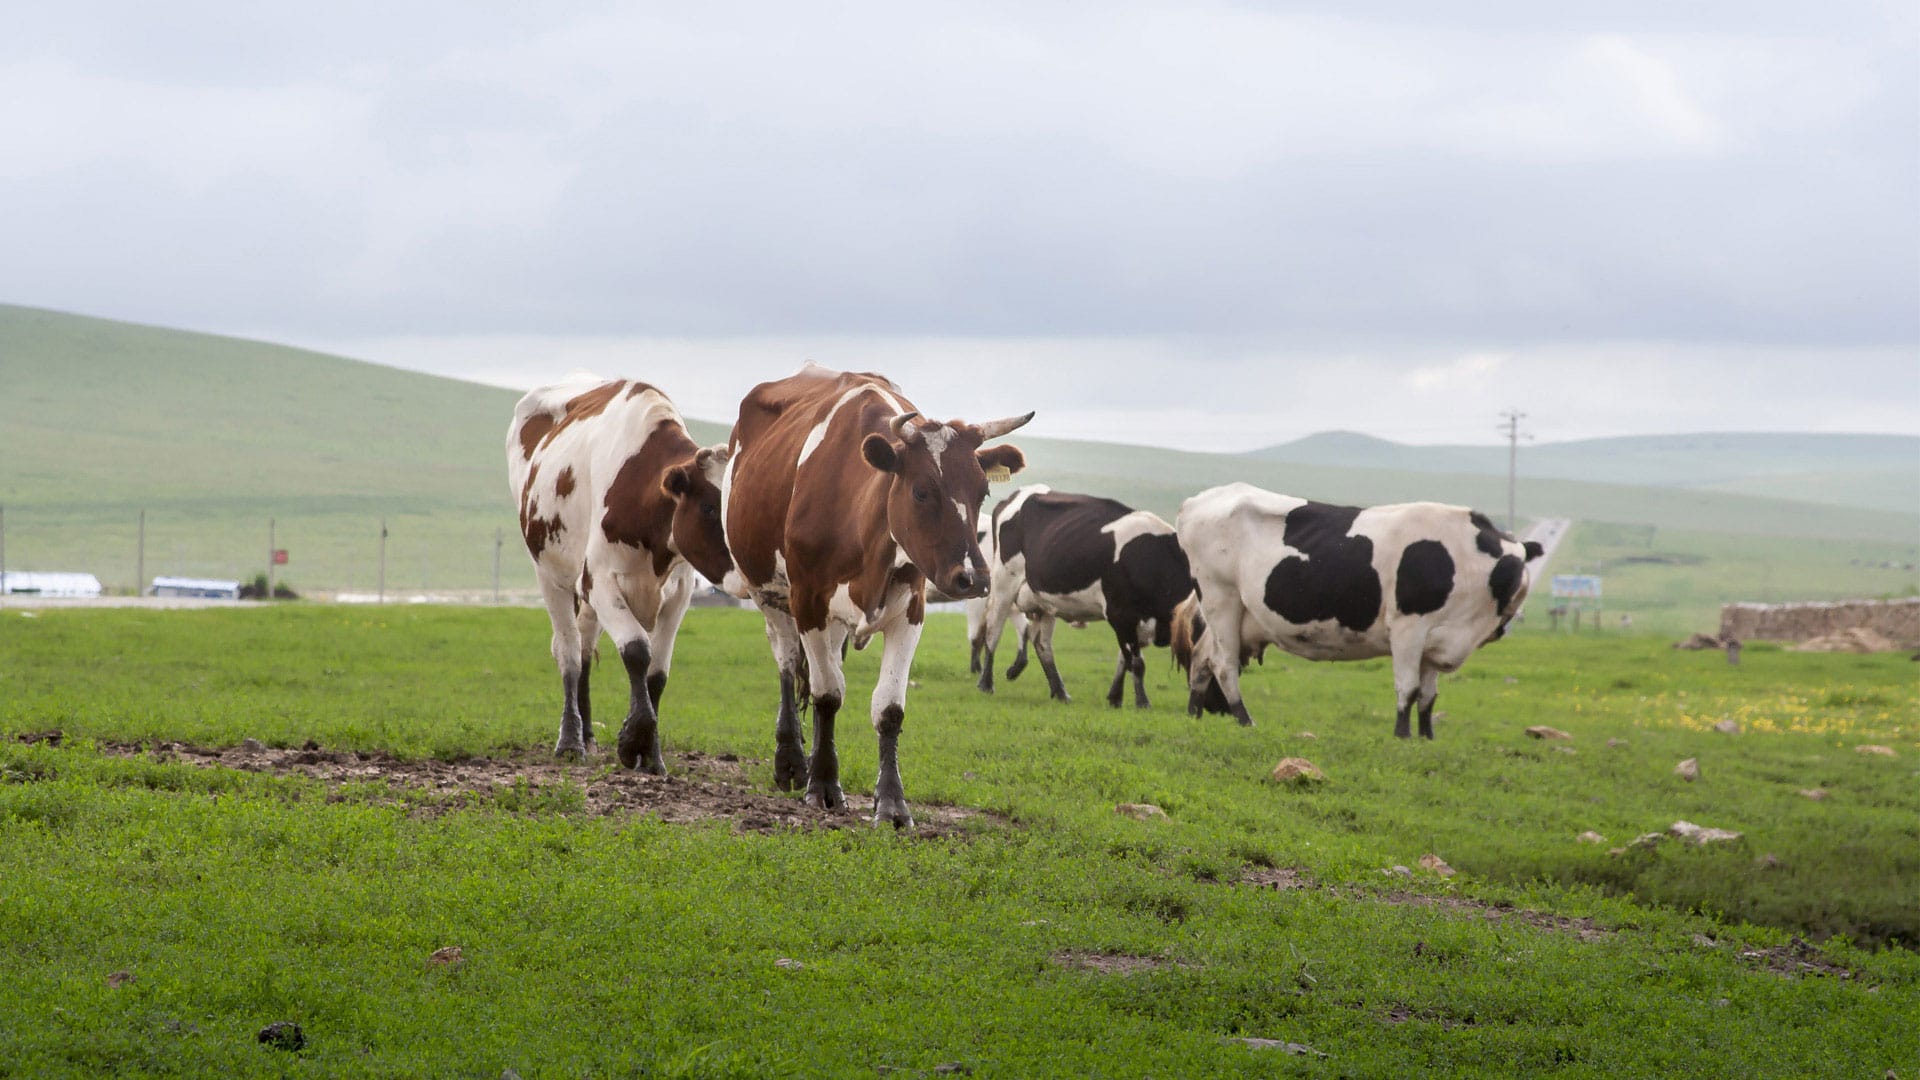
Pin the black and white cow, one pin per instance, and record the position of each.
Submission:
(976, 611)
(1424, 583)
(1080, 558)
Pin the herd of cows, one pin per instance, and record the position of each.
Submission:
(837, 507)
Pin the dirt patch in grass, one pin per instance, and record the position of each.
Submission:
(1112, 963)
(697, 787)
(1276, 877)
(1794, 959)
(1583, 928)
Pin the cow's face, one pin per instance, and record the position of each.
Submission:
(939, 478)
(698, 536)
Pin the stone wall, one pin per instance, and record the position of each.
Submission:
(1897, 620)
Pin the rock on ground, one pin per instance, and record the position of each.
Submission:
(1688, 769)
(1698, 834)
(1542, 731)
(1140, 811)
(1297, 770)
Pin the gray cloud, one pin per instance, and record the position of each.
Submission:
(1387, 179)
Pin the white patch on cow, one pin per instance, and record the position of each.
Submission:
(1079, 607)
(841, 608)
(819, 432)
(1145, 633)
(937, 439)
(1129, 527)
(896, 662)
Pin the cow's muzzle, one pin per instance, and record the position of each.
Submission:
(965, 585)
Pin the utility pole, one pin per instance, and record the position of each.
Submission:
(3, 554)
(1512, 428)
(270, 551)
(140, 560)
(497, 542)
(383, 560)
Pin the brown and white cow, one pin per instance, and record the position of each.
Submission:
(841, 504)
(1424, 583)
(618, 507)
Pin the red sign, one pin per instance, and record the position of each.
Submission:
(279, 556)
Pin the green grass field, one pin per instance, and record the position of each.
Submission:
(1050, 937)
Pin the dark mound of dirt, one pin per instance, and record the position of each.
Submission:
(697, 787)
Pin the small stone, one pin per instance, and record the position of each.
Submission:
(283, 1035)
(1591, 837)
(1035, 922)
(952, 1068)
(1306, 735)
(1728, 727)
(1767, 861)
(969, 775)
(1614, 744)
(1542, 731)
(1301, 1049)
(509, 1074)
(1705, 942)
(1879, 751)
(1814, 793)
(1297, 769)
(1565, 750)
(1139, 811)
(1616, 851)
(120, 978)
(252, 745)
(1688, 769)
(1721, 1003)
(1436, 864)
(788, 963)
(1397, 871)
(449, 956)
(1696, 834)
(1511, 681)
(1646, 841)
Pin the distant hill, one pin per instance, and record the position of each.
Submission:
(216, 439)
(1880, 472)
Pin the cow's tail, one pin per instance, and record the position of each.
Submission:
(802, 686)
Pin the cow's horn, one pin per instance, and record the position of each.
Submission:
(993, 429)
(899, 424)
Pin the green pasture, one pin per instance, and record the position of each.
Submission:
(620, 946)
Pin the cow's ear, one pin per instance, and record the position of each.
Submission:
(1534, 550)
(881, 452)
(676, 483)
(1006, 459)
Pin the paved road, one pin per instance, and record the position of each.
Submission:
(1549, 531)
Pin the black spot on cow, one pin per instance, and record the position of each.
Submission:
(1487, 538)
(1425, 579)
(1335, 580)
(1505, 581)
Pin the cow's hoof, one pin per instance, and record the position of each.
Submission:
(789, 767)
(570, 751)
(825, 797)
(1063, 698)
(892, 812)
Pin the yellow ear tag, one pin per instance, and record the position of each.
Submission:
(999, 474)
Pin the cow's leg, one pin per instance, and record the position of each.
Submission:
(1043, 648)
(1429, 693)
(1407, 648)
(998, 606)
(589, 626)
(1024, 627)
(789, 748)
(560, 601)
(1216, 662)
(625, 602)
(674, 598)
(889, 715)
(1139, 677)
(828, 685)
(1119, 679)
(976, 632)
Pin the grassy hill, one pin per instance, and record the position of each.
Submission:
(1880, 472)
(215, 437)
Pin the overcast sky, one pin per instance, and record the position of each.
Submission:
(1214, 226)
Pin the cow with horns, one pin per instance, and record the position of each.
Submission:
(1424, 583)
(618, 507)
(1083, 558)
(841, 504)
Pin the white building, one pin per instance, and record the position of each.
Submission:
(48, 583)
